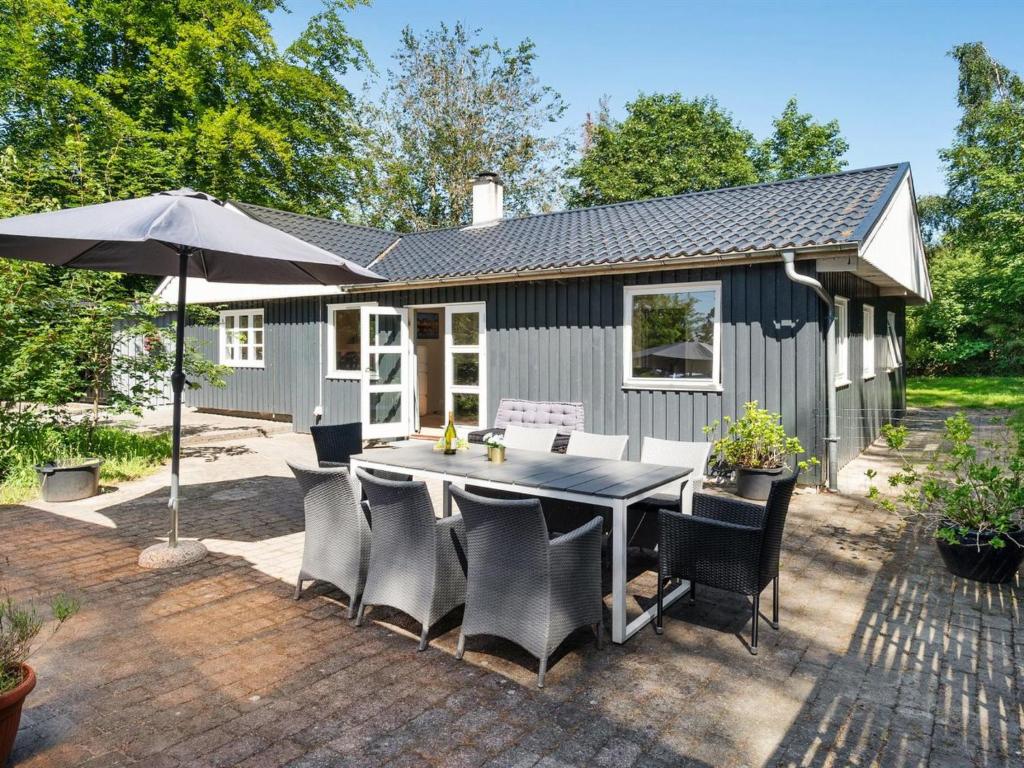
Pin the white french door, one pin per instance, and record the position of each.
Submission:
(386, 372)
(465, 364)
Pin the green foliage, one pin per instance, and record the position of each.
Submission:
(976, 233)
(667, 145)
(799, 147)
(454, 106)
(966, 392)
(20, 625)
(756, 440)
(107, 99)
(970, 489)
(126, 455)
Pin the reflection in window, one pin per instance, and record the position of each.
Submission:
(467, 407)
(347, 346)
(465, 329)
(674, 335)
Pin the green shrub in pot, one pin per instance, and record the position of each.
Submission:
(971, 499)
(756, 447)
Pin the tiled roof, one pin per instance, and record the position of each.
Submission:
(817, 211)
(359, 244)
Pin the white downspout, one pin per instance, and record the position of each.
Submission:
(832, 438)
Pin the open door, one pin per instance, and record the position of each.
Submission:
(465, 329)
(386, 372)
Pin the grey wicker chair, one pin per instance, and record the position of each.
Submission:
(414, 566)
(727, 544)
(336, 548)
(334, 443)
(523, 587)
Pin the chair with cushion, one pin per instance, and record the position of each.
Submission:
(564, 417)
(643, 516)
(522, 586)
(596, 446)
(529, 438)
(336, 547)
(413, 566)
(727, 544)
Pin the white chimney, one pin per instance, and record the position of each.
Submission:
(488, 202)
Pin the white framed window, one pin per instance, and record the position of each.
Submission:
(892, 342)
(842, 341)
(344, 341)
(868, 342)
(672, 336)
(241, 338)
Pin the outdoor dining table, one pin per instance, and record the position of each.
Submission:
(602, 482)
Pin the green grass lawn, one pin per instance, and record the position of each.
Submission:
(966, 392)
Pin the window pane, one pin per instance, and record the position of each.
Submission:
(257, 337)
(229, 322)
(389, 368)
(389, 330)
(385, 407)
(466, 368)
(347, 344)
(258, 353)
(257, 321)
(229, 352)
(673, 335)
(243, 352)
(243, 321)
(466, 407)
(466, 329)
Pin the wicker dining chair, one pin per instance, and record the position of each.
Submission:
(335, 443)
(727, 544)
(523, 587)
(414, 566)
(336, 546)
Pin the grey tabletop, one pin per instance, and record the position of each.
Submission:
(606, 478)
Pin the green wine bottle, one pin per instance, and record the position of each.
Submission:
(450, 435)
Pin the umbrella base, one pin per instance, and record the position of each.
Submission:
(162, 555)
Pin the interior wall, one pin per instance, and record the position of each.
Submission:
(430, 365)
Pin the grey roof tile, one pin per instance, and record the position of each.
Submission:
(817, 211)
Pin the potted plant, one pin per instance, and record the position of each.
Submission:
(755, 447)
(971, 498)
(19, 628)
(495, 447)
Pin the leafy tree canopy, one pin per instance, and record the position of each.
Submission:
(455, 105)
(799, 146)
(139, 95)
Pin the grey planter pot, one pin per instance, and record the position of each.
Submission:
(756, 483)
(69, 482)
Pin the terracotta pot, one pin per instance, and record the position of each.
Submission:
(10, 711)
(756, 483)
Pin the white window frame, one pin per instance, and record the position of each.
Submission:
(332, 340)
(842, 310)
(237, 362)
(892, 343)
(629, 381)
(868, 342)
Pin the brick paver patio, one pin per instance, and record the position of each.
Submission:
(882, 659)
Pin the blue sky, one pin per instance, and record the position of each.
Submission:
(879, 68)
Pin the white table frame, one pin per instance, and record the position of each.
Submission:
(621, 630)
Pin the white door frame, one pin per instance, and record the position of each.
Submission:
(480, 348)
(402, 427)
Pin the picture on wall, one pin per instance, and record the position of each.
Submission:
(428, 325)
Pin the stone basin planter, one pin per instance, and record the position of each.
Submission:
(983, 563)
(755, 484)
(69, 481)
(10, 711)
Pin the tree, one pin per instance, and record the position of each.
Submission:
(977, 263)
(454, 106)
(132, 97)
(666, 145)
(799, 146)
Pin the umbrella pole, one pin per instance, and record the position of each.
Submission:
(178, 386)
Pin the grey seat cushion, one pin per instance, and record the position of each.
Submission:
(565, 417)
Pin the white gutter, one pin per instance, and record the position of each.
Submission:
(832, 438)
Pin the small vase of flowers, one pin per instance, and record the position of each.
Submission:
(495, 447)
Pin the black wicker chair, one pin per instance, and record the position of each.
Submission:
(727, 544)
(335, 443)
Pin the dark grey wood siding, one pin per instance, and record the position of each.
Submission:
(562, 340)
(865, 404)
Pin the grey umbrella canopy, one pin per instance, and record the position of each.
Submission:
(181, 233)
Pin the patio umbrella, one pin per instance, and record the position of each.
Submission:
(180, 233)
